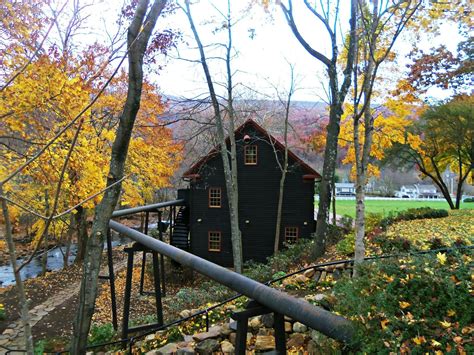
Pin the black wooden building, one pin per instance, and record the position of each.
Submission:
(206, 214)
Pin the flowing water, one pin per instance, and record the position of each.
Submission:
(55, 262)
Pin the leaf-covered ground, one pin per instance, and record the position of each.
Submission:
(413, 305)
(457, 228)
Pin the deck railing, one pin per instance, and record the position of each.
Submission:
(330, 324)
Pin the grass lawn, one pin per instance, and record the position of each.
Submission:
(386, 206)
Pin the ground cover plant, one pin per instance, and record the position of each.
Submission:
(385, 207)
(414, 305)
(202, 294)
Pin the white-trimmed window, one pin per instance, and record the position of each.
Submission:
(214, 241)
(291, 235)
(215, 197)
(250, 155)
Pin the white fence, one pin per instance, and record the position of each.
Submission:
(440, 199)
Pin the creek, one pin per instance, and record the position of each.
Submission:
(55, 262)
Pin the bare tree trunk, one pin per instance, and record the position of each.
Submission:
(337, 97)
(362, 161)
(234, 195)
(69, 234)
(371, 25)
(281, 190)
(362, 153)
(138, 36)
(25, 316)
(284, 167)
(230, 169)
(438, 180)
(44, 257)
(334, 215)
(460, 180)
(80, 224)
(329, 166)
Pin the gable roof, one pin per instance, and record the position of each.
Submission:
(194, 169)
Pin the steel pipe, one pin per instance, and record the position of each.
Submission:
(329, 324)
(153, 207)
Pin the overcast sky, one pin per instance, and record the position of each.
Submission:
(261, 60)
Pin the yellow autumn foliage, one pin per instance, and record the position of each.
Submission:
(46, 98)
(389, 128)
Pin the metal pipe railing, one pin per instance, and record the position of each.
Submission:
(153, 207)
(332, 325)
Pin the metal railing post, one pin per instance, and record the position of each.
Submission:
(128, 291)
(110, 265)
(156, 280)
(162, 260)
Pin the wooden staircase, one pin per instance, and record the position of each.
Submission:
(180, 234)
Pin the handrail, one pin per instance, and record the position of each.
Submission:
(127, 211)
(269, 282)
(332, 325)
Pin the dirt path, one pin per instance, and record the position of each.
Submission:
(12, 337)
(55, 313)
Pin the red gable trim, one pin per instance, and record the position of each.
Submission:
(195, 168)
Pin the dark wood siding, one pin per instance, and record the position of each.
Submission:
(258, 198)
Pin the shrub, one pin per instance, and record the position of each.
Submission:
(392, 245)
(40, 347)
(418, 305)
(413, 213)
(101, 334)
(436, 243)
(468, 199)
(3, 315)
(293, 254)
(208, 291)
(277, 275)
(372, 221)
(346, 246)
(335, 234)
(347, 223)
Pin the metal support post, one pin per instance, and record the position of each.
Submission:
(142, 272)
(253, 309)
(162, 260)
(128, 292)
(110, 264)
(156, 277)
(279, 326)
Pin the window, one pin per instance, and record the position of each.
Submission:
(215, 197)
(214, 241)
(291, 235)
(250, 155)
